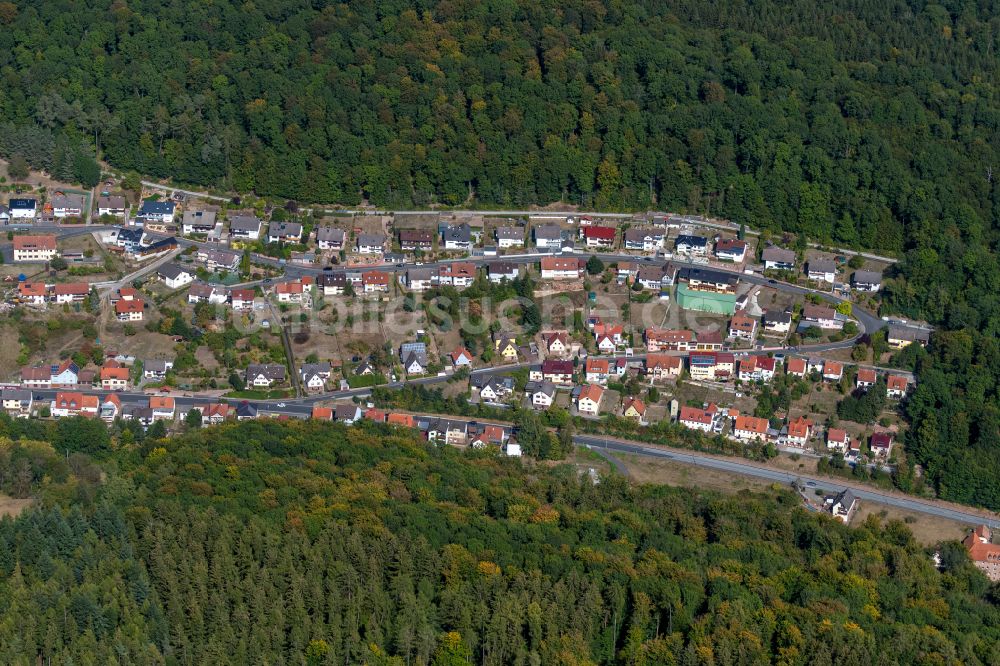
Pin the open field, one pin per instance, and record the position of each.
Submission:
(10, 506)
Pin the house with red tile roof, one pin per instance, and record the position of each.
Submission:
(837, 440)
(598, 370)
(322, 413)
(601, 237)
(660, 367)
(698, 418)
(634, 408)
(796, 366)
(896, 386)
(985, 555)
(129, 310)
(74, 404)
(658, 339)
(833, 371)
(32, 293)
(750, 428)
(798, 432)
(865, 378)
(589, 400)
(405, 420)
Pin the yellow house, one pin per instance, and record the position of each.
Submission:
(507, 348)
(634, 409)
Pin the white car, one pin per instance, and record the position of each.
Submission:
(281, 404)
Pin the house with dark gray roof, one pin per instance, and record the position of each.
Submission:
(548, 236)
(244, 227)
(330, 238)
(778, 258)
(264, 375)
(458, 237)
(866, 280)
(371, 243)
(510, 236)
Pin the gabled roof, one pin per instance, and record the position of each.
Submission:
(602, 233)
(778, 255)
(866, 375)
(866, 277)
(161, 402)
(548, 232)
(897, 383)
(696, 415)
(557, 367)
(36, 242)
(598, 365)
(591, 392)
(171, 271)
(730, 245)
(822, 266)
(752, 424)
(635, 403)
(149, 207)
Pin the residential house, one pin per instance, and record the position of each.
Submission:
(815, 364)
(332, 284)
(510, 237)
(129, 310)
(557, 372)
(459, 274)
(419, 279)
(68, 205)
(842, 506)
(71, 292)
(457, 238)
(588, 402)
(548, 236)
(821, 270)
(448, 431)
(347, 413)
(606, 344)
(461, 357)
(163, 407)
(284, 232)
(201, 222)
(656, 278)
(371, 243)
(402, 420)
(866, 281)
(543, 395)
(668, 340)
(627, 270)
(488, 435)
(32, 293)
(17, 402)
(37, 377)
(110, 408)
(215, 413)
(698, 418)
(833, 371)
(797, 432)
(796, 367)
(561, 268)
(74, 404)
(315, 376)
(614, 331)
(701, 279)
(414, 357)
(901, 336)
(322, 413)
(38, 248)
(416, 239)
(778, 259)
(777, 322)
(599, 237)
(696, 246)
(375, 282)
(597, 370)
(156, 368)
(218, 259)
(330, 238)
(245, 228)
(822, 316)
(161, 212)
(114, 376)
(265, 375)
(865, 378)
(22, 209)
(246, 411)
(114, 205)
(660, 367)
(742, 326)
(881, 445)
(708, 341)
(157, 249)
(201, 292)
(242, 299)
(750, 428)
(174, 276)
(498, 271)
(896, 386)
(557, 343)
(984, 554)
(505, 345)
(66, 374)
(496, 388)
(635, 409)
(129, 240)
(733, 250)
(4, 215)
(643, 239)
(757, 368)
(837, 440)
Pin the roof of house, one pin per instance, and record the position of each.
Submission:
(461, 233)
(881, 440)
(548, 232)
(741, 322)
(161, 402)
(591, 392)
(322, 413)
(799, 427)
(603, 233)
(510, 233)
(127, 307)
(556, 367)
(866, 375)
(371, 240)
(833, 368)
(669, 335)
(458, 269)
(635, 403)
(71, 288)
(114, 373)
(639, 234)
(687, 239)
(33, 242)
(546, 388)
(752, 424)
(244, 223)
(705, 275)
(345, 411)
(158, 365)
(897, 383)
(836, 435)
(216, 409)
(68, 200)
(867, 277)
(32, 289)
(406, 420)
(560, 264)
(598, 365)
(112, 201)
(664, 361)
(502, 267)
(810, 311)
(460, 353)
(330, 234)
(36, 374)
(201, 217)
(730, 245)
(150, 207)
(375, 277)
(284, 229)
(777, 317)
(272, 371)
(243, 294)
(911, 334)
(822, 266)
(778, 254)
(797, 365)
(23, 203)
(696, 415)
(171, 271)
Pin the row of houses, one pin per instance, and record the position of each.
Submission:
(40, 293)
(820, 270)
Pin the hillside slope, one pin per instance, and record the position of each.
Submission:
(307, 543)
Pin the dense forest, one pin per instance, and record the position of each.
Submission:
(306, 543)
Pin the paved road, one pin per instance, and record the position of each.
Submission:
(779, 476)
